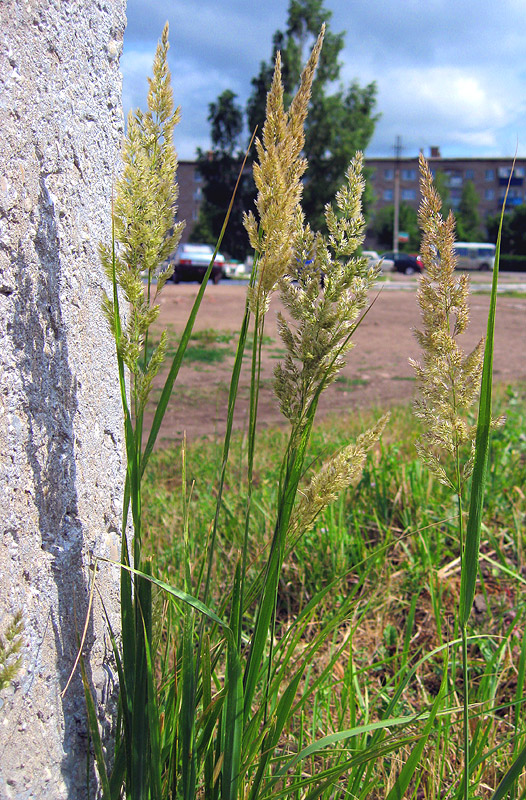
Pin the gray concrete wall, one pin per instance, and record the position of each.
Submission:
(61, 444)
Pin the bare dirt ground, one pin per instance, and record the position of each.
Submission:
(377, 371)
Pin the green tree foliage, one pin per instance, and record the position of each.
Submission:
(468, 217)
(441, 183)
(408, 222)
(341, 119)
(219, 169)
(513, 231)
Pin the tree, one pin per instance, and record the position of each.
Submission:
(441, 184)
(513, 231)
(219, 168)
(383, 225)
(468, 217)
(341, 119)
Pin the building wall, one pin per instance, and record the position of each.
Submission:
(62, 468)
(489, 176)
(190, 195)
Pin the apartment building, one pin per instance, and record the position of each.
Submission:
(190, 195)
(489, 175)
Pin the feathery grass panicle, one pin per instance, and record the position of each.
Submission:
(144, 220)
(278, 180)
(343, 469)
(10, 646)
(324, 293)
(447, 378)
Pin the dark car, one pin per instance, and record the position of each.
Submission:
(405, 263)
(191, 262)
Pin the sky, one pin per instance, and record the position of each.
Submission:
(448, 74)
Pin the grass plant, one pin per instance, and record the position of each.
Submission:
(292, 604)
(11, 642)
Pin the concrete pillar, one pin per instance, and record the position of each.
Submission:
(61, 441)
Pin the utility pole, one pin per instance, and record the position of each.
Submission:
(396, 225)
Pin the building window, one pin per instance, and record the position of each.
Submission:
(469, 174)
(388, 174)
(408, 194)
(489, 194)
(197, 176)
(455, 179)
(408, 174)
(198, 194)
(388, 194)
(489, 175)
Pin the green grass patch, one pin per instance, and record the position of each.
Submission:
(343, 382)
(206, 355)
(516, 293)
(209, 336)
(395, 499)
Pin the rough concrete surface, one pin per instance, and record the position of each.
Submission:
(61, 447)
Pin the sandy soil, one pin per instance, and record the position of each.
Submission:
(377, 370)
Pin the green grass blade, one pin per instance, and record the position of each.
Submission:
(174, 371)
(509, 779)
(118, 772)
(95, 736)
(155, 764)
(127, 679)
(187, 712)
(123, 756)
(337, 738)
(408, 770)
(209, 719)
(480, 466)
(519, 692)
(140, 736)
(272, 738)
(233, 728)
(292, 473)
(232, 395)
(177, 594)
(178, 358)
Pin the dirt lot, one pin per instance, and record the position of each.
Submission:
(377, 371)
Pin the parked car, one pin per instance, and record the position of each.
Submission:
(191, 263)
(385, 264)
(405, 263)
(233, 268)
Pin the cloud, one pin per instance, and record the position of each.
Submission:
(447, 74)
(461, 110)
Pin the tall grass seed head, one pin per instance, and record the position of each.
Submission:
(448, 380)
(344, 469)
(144, 215)
(277, 176)
(324, 293)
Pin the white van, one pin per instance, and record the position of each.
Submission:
(474, 255)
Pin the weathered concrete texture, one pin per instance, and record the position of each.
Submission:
(61, 448)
